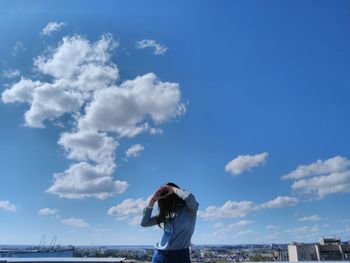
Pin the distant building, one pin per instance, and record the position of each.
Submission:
(329, 249)
(280, 255)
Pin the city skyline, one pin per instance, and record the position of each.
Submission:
(244, 104)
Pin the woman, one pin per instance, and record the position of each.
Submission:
(177, 217)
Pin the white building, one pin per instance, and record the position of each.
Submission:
(328, 249)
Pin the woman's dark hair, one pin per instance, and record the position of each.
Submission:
(168, 205)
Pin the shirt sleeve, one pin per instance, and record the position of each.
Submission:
(189, 198)
(147, 219)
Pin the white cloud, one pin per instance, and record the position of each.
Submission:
(7, 205)
(79, 60)
(222, 230)
(322, 178)
(134, 150)
(122, 110)
(83, 180)
(154, 131)
(10, 74)
(280, 201)
(21, 91)
(245, 163)
(322, 186)
(18, 47)
(75, 222)
(128, 207)
(231, 209)
(52, 27)
(52, 212)
(311, 218)
(130, 210)
(239, 224)
(51, 102)
(303, 230)
(336, 164)
(159, 49)
(80, 85)
(89, 145)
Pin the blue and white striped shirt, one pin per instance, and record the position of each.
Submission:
(178, 230)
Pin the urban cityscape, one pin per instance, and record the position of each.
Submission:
(327, 249)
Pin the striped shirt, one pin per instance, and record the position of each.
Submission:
(178, 230)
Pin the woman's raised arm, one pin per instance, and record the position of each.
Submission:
(147, 219)
(188, 197)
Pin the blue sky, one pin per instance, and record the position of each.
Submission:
(242, 103)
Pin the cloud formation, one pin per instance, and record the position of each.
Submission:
(75, 222)
(7, 205)
(336, 164)
(322, 178)
(280, 201)
(80, 85)
(312, 218)
(231, 209)
(222, 230)
(10, 74)
(129, 209)
(159, 49)
(50, 212)
(18, 47)
(234, 209)
(134, 150)
(245, 163)
(52, 27)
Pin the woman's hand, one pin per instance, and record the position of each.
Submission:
(162, 192)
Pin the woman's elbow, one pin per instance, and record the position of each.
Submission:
(143, 223)
(193, 206)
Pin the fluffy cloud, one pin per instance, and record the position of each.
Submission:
(280, 201)
(239, 224)
(245, 162)
(123, 110)
(159, 49)
(83, 180)
(311, 218)
(80, 85)
(52, 27)
(322, 178)
(75, 222)
(129, 209)
(231, 209)
(52, 212)
(222, 230)
(21, 91)
(19, 47)
(7, 205)
(322, 186)
(9, 74)
(336, 164)
(134, 150)
(154, 131)
(89, 145)
(79, 60)
(51, 102)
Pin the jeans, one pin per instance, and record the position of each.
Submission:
(171, 256)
